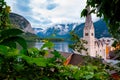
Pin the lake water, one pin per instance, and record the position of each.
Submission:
(59, 46)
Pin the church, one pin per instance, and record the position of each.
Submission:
(95, 47)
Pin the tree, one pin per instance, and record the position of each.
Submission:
(77, 44)
(4, 15)
(110, 11)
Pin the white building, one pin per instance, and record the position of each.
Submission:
(95, 47)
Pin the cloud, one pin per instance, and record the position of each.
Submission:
(47, 12)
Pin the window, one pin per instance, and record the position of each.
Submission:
(108, 40)
(86, 34)
(92, 34)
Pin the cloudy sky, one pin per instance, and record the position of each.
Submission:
(42, 13)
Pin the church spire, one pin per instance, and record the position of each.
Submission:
(88, 22)
(89, 34)
(88, 17)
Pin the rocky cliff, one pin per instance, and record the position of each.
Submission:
(20, 22)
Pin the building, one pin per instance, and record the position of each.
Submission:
(95, 47)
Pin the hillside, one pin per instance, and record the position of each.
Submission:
(20, 22)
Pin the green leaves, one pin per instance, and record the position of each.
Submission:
(3, 49)
(10, 37)
(48, 45)
(4, 15)
(9, 33)
(41, 61)
(84, 13)
(16, 65)
(87, 72)
(78, 44)
(8, 52)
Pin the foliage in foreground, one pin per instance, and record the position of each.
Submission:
(4, 13)
(33, 65)
(78, 44)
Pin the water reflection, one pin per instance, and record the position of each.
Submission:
(60, 46)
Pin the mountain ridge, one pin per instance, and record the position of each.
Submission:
(63, 30)
(20, 22)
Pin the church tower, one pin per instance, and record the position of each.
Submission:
(89, 34)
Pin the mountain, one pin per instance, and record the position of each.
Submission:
(63, 30)
(56, 31)
(20, 22)
(101, 29)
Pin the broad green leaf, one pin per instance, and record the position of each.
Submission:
(3, 49)
(8, 43)
(11, 42)
(89, 76)
(8, 52)
(34, 52)
(9, 32)
(48, 45)
(12, 52)
(56, 54)
(84, 13)
(21, 42)
(38, 61)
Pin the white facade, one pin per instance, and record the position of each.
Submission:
(95, 47)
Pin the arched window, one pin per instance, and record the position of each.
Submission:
(86, 34)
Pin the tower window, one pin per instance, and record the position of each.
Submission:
(86, 34)
(92, 34)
